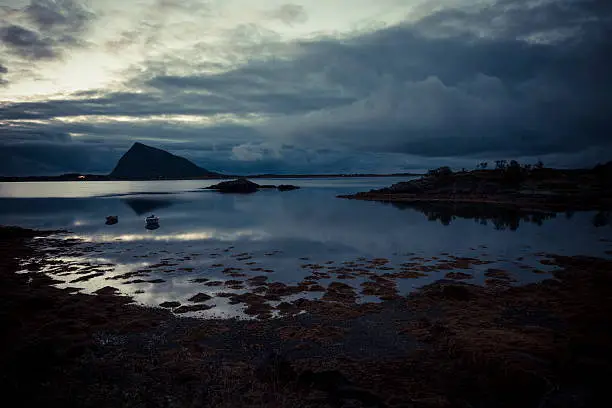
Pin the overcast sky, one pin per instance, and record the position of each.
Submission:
(304, 86)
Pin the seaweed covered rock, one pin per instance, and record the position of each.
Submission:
(244, 186)
(240, 186)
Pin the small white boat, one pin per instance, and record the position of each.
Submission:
(112, 219)
(152, 222)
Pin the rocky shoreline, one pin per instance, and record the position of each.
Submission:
(540, 189)
(450, 344)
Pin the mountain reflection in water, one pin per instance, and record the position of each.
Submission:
(146, 205)
(500, 217)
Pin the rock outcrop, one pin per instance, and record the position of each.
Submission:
(540, 189)
(287, 187)
(240, 186)
(244, 186)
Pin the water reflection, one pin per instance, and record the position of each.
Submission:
(602, 218)
(146, 205)
(210, 237)
(500, 217)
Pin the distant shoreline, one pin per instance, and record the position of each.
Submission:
(97, 177)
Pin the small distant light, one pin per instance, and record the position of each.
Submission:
(81, 177)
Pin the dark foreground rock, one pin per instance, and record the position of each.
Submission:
(450, 344)
(244, 186)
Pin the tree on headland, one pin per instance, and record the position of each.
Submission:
(443, 171)
(513, 173)
(512, 164)
(501, 164)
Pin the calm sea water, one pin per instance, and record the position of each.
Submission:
(283, 231)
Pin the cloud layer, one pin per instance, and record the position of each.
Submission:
(422, 86)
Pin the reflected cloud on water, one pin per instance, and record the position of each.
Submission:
(178, 237)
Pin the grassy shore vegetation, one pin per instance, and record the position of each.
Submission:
(508, 184)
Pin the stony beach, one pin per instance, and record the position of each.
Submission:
(448, 344)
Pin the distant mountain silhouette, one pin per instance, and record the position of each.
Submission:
(147, 162)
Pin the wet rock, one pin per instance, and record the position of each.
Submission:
(239, 186)
(280, 289)
(340, 292)
(233, 283)
(458, 275)
(286, 308)
(258, 280)
(193, 308)
(71, 289)
(497, 283)
(170, 304)
(106, 291)
(87, 277)
(381, 287)
(261, 310)
(200, 297)
(287, 187)
(498, 274)
(450, 291)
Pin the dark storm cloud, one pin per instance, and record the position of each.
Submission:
(27, 43)
(234, 93)
(535, 82)
(58, 25)
(428, 92)
(66, 15)
(262, 89)
(3, 70)
(48, 158)
(517, 79)
(289, 14)
(516, 19)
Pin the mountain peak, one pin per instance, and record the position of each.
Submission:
(146, 162)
